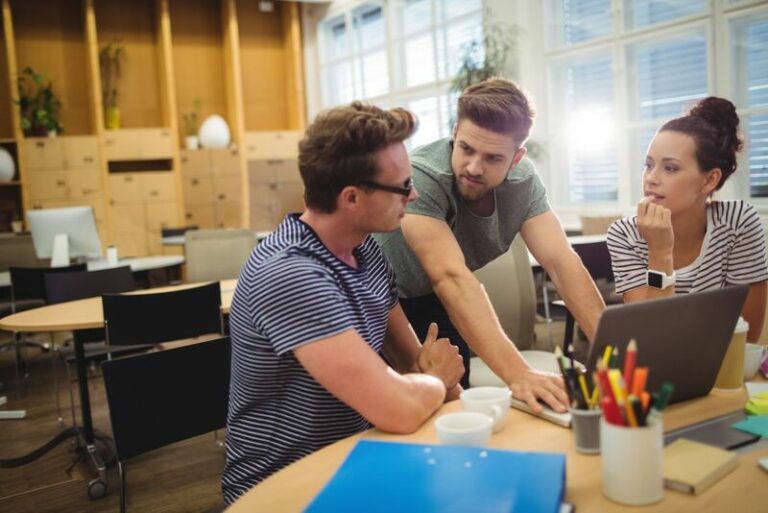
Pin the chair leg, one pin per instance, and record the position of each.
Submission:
(121, 471)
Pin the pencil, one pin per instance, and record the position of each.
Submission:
(559, 358)
(630, 357)
(640, 376)
(614, 361)
(584, 391)
(607, 355)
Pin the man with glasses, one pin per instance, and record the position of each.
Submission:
(316, 309)
(476, 193)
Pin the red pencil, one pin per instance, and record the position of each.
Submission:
(629, 364)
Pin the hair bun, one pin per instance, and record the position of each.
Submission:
(721, 115)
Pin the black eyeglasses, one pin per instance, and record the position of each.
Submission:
(405, 191)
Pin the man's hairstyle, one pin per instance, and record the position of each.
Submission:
(339, 149)
(499, 105)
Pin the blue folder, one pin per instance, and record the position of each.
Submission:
(399, 477)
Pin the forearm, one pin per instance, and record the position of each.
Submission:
(473, 316)
(421, 396)
(579, 292)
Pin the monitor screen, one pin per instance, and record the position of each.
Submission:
(77, 223)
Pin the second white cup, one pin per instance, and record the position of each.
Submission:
(464, 428)
(493, 401)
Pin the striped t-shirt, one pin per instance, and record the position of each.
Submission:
(291, 292)
(733, 251)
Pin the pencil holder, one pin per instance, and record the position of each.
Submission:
(586, 430)
(632, 463)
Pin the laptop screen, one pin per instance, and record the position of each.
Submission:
(681, 339)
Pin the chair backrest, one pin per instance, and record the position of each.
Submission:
(176, 231)
(508, 281)
(214, 255)
(153, 317)
(29, 282)
(597, 225)
(61, 287)
(596, 259)
(17, 251)
(159, 398)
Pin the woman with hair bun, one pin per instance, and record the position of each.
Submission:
(682, 240)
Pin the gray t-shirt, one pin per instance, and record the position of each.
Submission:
(520, 197)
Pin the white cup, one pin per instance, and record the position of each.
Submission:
(112, 255)
(493, 401)
(632, 463)
(464, 428)
(754, 355)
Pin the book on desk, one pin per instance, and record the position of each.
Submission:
(389, 476)
(693, 467)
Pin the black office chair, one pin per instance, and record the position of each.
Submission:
(156, 399)
(157, 317)
(71, 286)
(27, 292)
(597, 260)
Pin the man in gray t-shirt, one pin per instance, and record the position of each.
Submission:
(477, 191)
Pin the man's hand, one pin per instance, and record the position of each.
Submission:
(530, 385)
(440, 358)
(654, 223)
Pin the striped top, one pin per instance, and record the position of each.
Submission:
(733, 251)
(293, 291)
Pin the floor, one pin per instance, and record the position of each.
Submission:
(180, 478)
(183, 477)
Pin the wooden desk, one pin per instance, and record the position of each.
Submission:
(745, 489)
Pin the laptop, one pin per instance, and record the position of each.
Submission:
(682, 339)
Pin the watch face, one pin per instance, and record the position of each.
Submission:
(655, 280)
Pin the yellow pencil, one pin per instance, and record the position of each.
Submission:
(584, 391)
(607, 355)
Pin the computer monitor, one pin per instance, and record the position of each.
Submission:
(76, 223)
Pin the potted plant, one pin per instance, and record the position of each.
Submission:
(189, 120)
(110, 58)
(38, 104)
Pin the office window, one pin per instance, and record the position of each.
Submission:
(586, 104)
(400, 53)
(577, 21)
(619, 69)
(642, 13)
(749, 44)
(612, 81)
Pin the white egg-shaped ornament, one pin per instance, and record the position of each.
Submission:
(214, 132)
(7, 166)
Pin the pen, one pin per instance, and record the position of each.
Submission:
(570, 355)
(559, 358)
(661, 401)
(637, 409)
(629, 363)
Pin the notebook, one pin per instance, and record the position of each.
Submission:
(401, 477)
(693, 467)
(682, 339)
